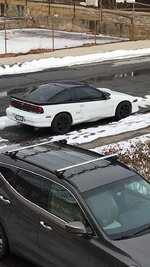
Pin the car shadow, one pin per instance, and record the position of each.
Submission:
(23, 133)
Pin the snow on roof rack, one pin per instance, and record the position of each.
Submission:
(62, 170)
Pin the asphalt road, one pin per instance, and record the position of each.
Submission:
(130, 76)
(132, 71)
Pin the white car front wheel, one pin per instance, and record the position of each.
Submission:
(123, 110)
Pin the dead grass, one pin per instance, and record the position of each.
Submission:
(32, 51)
(137, 157)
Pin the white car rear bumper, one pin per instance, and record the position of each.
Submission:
(32, 119)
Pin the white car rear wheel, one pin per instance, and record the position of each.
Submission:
(61, 123)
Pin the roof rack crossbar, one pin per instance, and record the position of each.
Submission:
(24, 147)
(30, 146)
(86, 162)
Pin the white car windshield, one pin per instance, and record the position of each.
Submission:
(122, 208)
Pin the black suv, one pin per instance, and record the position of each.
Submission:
(61, 205)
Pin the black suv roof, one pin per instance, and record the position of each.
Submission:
(84, 168)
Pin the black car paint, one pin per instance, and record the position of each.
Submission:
(69, 87)
(54, 247)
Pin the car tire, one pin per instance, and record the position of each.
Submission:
(61, 123)
(123, 110)
(4, 247)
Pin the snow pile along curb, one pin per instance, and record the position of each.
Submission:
(54, 62)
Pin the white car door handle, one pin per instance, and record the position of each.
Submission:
(6, 201)
(45, 226)
(82, 105)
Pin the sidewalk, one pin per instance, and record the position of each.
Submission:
(79, 51)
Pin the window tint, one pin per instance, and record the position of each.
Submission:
(121, 208)
(33, 187)
(88, 93)
(43, 93)
(63, 97)
(9, 174)
(62, 204)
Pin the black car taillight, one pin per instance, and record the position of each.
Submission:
(26, 106)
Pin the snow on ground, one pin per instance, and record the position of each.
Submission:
(144, 102)
(42, 39)
(53, 62)
(5, 122)
(133, 122)
(124, 146)
(27, 42)
(26, 39)
(87, 135)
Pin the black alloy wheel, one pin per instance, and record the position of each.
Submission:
(61, 123)
(123, 110)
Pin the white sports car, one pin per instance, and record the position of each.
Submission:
(61, 104)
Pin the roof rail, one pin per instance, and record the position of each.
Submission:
(15, 151)
(113, 156)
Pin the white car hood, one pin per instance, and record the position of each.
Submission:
(119, 94)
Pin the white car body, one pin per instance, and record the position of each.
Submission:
(86, 111)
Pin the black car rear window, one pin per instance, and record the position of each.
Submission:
(44, 93)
